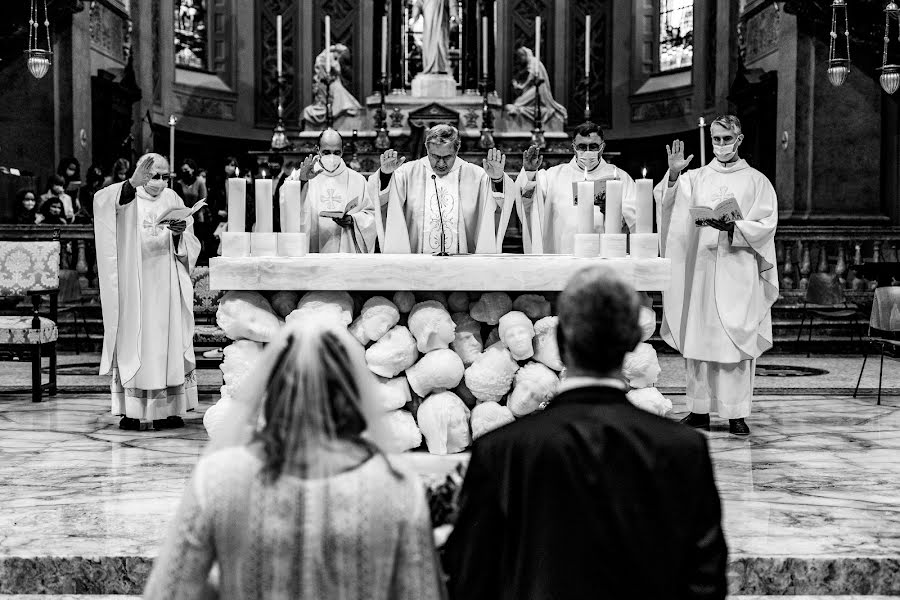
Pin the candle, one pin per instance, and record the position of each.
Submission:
(614, 191)
(290, 206)
(585, 208)
(587, 46)
(537, 42)
(278, 45)
(702, 141)
(328, 45)
(237, 204)
(384, 45)
(484, 46)
(263, 205)
(644, 205)
(172, 121)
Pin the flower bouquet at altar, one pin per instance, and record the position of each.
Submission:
(177, 213)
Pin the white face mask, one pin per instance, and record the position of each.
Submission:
(330, 162)
(154, 187)
(587, 159)
(725, 151)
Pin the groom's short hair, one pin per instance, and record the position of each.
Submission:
(443, 134)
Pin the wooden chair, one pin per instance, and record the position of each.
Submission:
(825, 299)
(31, 268)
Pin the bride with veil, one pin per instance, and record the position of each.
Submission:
(295, 497)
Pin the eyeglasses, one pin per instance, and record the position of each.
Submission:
(158, 176)
(329, 152)
(588, 147)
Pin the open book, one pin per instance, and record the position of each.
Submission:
(337, 214)
(727, 211)
(178, 213)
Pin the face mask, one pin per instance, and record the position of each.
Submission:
(28, 204)
(330, 162)
(588, 159)
(230, 171)
(154, 187)
(723, 151)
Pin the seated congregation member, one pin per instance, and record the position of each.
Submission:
(592, 497)
(147, 298)
(52, 212)
(337, 214)
(295, 499)
(56, 189)
(26, 207)
(438, 193)
(555, 187)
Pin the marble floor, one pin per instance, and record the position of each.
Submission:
(810, 499)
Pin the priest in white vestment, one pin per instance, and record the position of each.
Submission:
(547, 207)
(337, 213)
(717, 308)
(147, 298)
(441, 192)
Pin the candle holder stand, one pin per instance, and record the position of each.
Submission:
(537, 134)
(279, 136)
(382, 140)
(586, 82)
(329, 116)
(487, 118)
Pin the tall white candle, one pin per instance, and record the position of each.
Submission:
(587, 46)
(278, 45)
(263, 205)
(585, 210)
(328, 45)
(484, 46)
(384, 45)
(702, 126)
(644, 204)
(537, 41)
(614, 191)
(172, 121)
(237, 204)
(289, 198)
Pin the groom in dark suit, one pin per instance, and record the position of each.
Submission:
(591, 498)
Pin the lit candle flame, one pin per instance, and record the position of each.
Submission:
(644, 172)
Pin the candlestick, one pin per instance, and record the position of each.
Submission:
(702, 141)
(172, 121)
(614, 192)
(484, 47)
(384, 45)
(537, 44)
(644, 204)
(263, 205)
(585, 208)
(237, 204)
(290, 205)
(587, 46)
(278, 42)
(328, 46)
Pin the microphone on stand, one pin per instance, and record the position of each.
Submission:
(437, 198)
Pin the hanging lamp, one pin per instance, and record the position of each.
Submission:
(838, 68)
(890, 74)
(38, 58)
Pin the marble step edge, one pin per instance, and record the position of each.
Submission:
(747, 575)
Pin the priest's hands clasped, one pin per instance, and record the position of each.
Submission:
(677, 161)
(495, 164)
(390, 161)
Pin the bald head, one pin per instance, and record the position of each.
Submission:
(331, 140)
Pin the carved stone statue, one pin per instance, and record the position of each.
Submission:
(553, 114)
(440, 18)
(344, 107)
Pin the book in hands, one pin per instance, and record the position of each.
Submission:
(178, 213)
(726, 211)
(339, 214)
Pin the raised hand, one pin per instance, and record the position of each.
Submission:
(532, 159)
(143, 172)
(307, 169)
(390, 161)
(677, 161)
(495, 164)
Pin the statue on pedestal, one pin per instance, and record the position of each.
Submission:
(553, 113)
(440, 17)
(343, 104)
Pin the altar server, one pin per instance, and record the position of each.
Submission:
(441, 191)
(553, 187)
(337, 213)
(147, 298)
(717, 308)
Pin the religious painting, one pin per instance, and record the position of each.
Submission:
(191, 41)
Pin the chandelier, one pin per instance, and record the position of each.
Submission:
(838, 68)
(38, 58)
(890, 74)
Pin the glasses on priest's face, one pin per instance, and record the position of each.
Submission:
(158, 176)
(588, 147)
